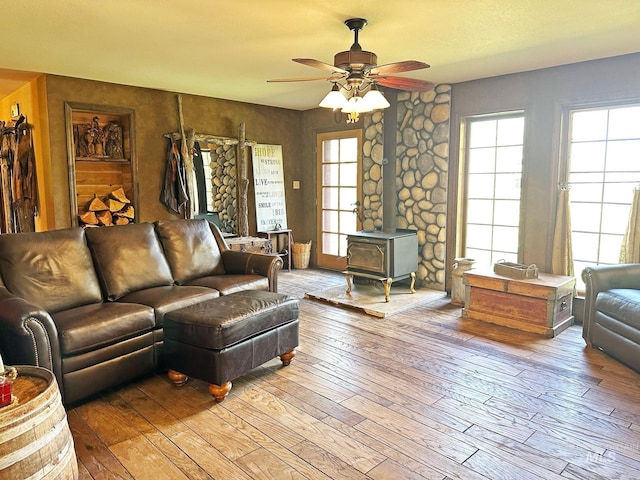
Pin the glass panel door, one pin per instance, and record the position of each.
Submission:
(339, 170)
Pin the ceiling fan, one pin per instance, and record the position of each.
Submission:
(355, 71)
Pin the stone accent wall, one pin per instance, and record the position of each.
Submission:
(372, 156)
(223, 173)
(422, 156)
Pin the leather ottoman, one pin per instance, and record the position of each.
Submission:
(223, 338)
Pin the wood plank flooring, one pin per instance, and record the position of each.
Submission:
(421, 394)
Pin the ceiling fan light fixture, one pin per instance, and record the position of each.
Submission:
(334, 99)
(374, 99)
(355, 106)
(356, 70)
(353, 117)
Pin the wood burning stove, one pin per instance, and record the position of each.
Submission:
(390, 254)
(384, 256)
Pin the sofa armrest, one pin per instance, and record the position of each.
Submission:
(28, 335)
(237, 262)
(601, 278)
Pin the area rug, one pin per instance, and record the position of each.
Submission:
(369, 298)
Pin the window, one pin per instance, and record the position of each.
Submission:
(493, 175)
(604, 168)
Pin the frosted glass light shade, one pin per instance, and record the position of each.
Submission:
(356, 105)
(334, 99)
(375, 100)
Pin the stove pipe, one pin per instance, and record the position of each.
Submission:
(389, 196)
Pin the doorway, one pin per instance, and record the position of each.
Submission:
(339, 161)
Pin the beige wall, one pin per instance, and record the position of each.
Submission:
(542, 95)
(156, 113)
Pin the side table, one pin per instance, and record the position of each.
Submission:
(281, 244)
(45, 448)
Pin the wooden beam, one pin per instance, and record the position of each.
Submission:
(214, 139)
(243, 184)
(187, 158)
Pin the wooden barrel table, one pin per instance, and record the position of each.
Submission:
(35, 440)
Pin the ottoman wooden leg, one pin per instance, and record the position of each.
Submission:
(219, 392)
(286, 357)
(178, 379)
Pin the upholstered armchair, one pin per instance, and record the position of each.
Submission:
(612, 311)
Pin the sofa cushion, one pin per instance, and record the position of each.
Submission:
(165, 299)
(52, 270)
(128, 258)
(622, 304)
(90, 327)
(190, 248)
(232, 283)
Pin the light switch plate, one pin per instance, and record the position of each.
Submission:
(296, 184)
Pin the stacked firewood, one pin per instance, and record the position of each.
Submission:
(116, 209)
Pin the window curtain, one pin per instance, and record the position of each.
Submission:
(630, 250)
(562, 258)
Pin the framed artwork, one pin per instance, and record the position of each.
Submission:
(15, 111)
(268, 175)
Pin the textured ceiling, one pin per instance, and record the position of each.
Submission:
(229, 48)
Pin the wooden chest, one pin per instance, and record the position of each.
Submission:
(540, 305)
(249, 244)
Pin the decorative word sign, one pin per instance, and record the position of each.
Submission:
(268, 175)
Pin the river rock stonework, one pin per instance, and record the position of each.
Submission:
(372, 172)
(422, 158)
(223, 179)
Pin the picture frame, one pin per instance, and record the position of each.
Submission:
(15, 111)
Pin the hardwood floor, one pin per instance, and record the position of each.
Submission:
(421, 394)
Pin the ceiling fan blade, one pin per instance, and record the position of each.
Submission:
(401, 83)
(318, 64)
(397, 67)
(306, 79)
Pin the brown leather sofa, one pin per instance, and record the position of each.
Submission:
(612, 311)
(89, 304)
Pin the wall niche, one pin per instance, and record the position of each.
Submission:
(102, 164)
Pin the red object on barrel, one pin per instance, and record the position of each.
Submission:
(5, 391)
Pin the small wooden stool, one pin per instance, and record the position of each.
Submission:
(223, 338)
